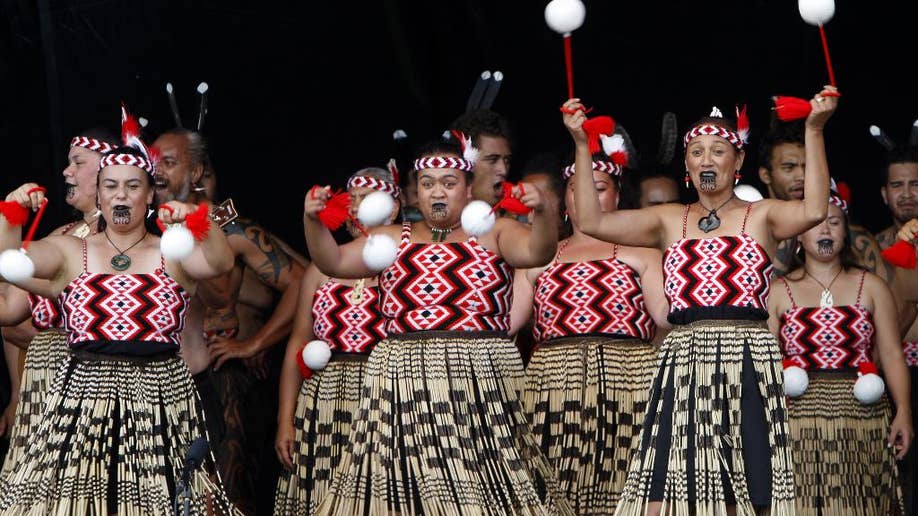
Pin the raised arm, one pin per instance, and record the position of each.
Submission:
(790, 218)
(344, 261)
(628, 227)
(291, 378)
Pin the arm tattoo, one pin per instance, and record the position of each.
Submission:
(275, 260)
(784, 256)
(868, 253)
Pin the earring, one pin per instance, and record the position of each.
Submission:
(566, 216)
(688, 180)
(736, 177)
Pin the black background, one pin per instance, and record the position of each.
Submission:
(307, 92)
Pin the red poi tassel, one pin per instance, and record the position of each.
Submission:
(509, 202)
(198, 222)
(595, 127)
(304, 369)
(792, 108)
(901, 254)
(336, 211)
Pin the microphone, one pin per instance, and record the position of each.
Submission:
(195, 455)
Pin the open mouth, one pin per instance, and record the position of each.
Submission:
(708, 180)
(825, 246)
(796, 192)
(160, 182)
(69, 190)
(438, 210)
(121, 214)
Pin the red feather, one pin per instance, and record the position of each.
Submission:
(844, 191)
(130, 127)
(198, 222)
(620, 158)
(595, 127)
(792, 108)
(15, 214)
(867, 368)
(336, 211)
(742, 124)
(901, 254)
(304, 369)
(510, 203)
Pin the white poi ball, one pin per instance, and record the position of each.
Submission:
(176, 242)
(795, 381)
(375, 209)
(565, 16)
(477, 218)
(316, 354)
(747, 193)
(869, 388)
(15, 265)
(816, 12)
(379, 252)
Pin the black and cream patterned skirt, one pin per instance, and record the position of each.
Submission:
(113, 439)
(841, 462)
(715, 434)
(46, 354)
(441, 430)
(325, 409)
(587, 396)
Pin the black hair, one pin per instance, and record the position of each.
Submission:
(778, 134)
(897, 156)
(483, 122)
(439, 147)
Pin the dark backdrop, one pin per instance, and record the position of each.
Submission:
(306, 92)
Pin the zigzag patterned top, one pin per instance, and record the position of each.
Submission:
(831, 338)
(446, 286)
(591, 297)
(723, 277)
(45, 313)
(910, 348)
(345, 326)
(130, 314)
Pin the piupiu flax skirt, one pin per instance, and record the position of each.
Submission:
(587, 396)
(842, 465)
(325, 409)
(441, 431)
(716, 432)
(113, 439)
(46, 354)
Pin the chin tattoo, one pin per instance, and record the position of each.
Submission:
(121, 215)
(707, 181)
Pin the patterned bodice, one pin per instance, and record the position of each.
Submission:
(45, 313)
(590, 297)
(910, 348)
(135, 314)
(446, 286)
(830, 338)
(348, 318)
(723, 277)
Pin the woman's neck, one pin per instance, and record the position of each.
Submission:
(822, 270)
(715, 199)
